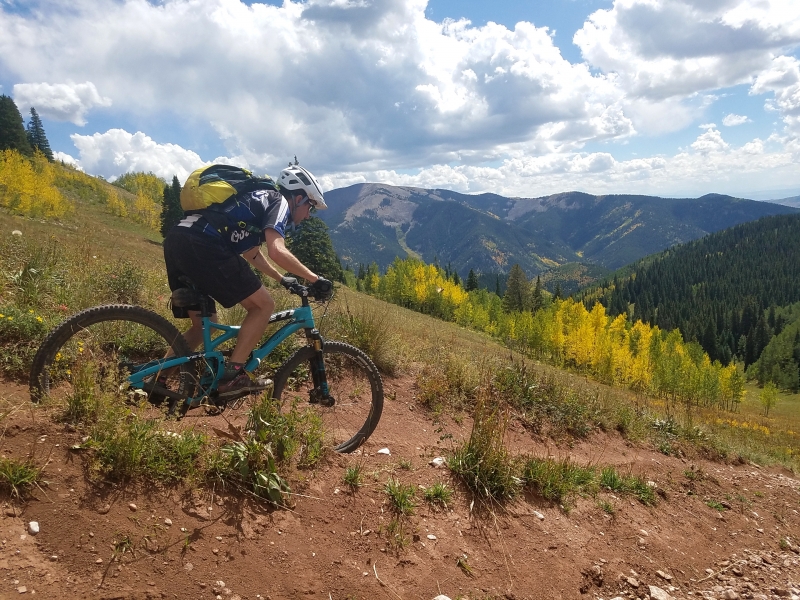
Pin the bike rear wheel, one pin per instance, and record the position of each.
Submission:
(101, 346)
(354, 383)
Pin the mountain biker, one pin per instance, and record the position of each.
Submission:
(219, 266)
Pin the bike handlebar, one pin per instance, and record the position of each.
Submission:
(291, 284)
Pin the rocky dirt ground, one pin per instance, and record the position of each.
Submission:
(108, 542)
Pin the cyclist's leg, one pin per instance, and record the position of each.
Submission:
(259, 306)
(194, 335)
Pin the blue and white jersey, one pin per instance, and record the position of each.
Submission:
(262, 209)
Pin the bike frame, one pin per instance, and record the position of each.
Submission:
(298, 318)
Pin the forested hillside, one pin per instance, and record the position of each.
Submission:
(724, 291)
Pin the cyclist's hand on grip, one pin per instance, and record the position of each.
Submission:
(321, 289)
(288, 282)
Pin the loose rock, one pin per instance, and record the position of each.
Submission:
(33, 527)
(384, 451)
(437, 462)
(133, 507)
(656, 593)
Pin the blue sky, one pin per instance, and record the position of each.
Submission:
(522, 98)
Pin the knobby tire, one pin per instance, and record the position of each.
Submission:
(354, 382)
(108, 337)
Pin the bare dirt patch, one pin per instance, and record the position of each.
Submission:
(717, 530)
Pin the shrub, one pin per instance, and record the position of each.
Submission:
(483, 462)
(369, 330)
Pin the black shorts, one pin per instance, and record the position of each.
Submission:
(214, 267)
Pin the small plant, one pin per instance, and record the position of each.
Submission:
(401, 497)
(556, 480)
(438, 495)
(610, 479)
(694, 474)
(18, 476)
(405, 464)
(353, 477)
(461, 563)
(784, 544)
(122, 544)
(396, 533)
(253, 465)
(715, 505)
(607, 507)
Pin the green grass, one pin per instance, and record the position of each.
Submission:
(18, 476)
(483, 462)
(353, 477)
(438, 495)
(401, 497)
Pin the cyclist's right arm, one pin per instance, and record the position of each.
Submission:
(280, 255)
(256, 258)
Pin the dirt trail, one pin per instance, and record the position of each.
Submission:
(181, 543)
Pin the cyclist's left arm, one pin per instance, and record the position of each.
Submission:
(260, 263)
(281, 256)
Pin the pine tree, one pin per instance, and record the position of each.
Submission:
(472, 281)
(312, 245)
(518, 291)
(36, 136)
(12, 128)
(537, 299)
(171, 211)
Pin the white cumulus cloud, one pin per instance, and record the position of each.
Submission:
(116, 151)
(364, 89)
(60, 101)
(732, 120)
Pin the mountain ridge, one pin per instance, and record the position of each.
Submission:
(489, 233)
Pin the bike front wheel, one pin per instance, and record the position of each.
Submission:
(354, 383)
(98, 348)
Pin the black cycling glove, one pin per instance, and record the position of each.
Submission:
(288, 282)
(321, 289)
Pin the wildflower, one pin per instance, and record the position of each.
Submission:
(58, 355)
(1, 316)
(10, 318)
(30, 311)
(40, 319)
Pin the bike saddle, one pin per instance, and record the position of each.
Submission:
(183, 297)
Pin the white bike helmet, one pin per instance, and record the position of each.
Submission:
(295, 178)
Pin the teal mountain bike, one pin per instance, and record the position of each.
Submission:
(109, 344)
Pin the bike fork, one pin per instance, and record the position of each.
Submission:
(321, 394)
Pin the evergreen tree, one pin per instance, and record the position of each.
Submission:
(518, 291)
(36, 137)
(456, 278)
(472, 281)
(311, 244)
(557, 294)
(171, 211)
(12, 128)
(537, 299)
